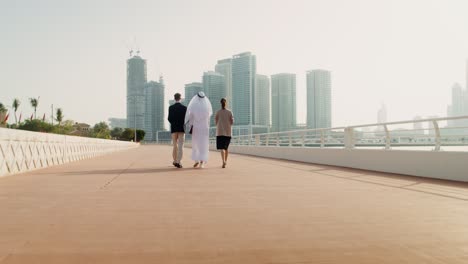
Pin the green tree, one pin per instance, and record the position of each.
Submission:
(128, 134)
(2, 108)
(16, 104)
(101, 130)
(66, 128)
(36, 125)
(3, 111)
(140, 135)
(34, 103)
(59, 116)
(116, 132)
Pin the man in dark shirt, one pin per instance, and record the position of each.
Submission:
(176, 118)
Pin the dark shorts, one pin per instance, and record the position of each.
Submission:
(222, 142)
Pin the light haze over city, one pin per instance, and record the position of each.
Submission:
(406, 54)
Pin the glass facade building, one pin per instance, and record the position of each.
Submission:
(244, 67)
(224, 67)
(262, 100)
(214, 85)
(283, 102)
(136, 82)
(191, 89)
(319, 99)
(154, 109)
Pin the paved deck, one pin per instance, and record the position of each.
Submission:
(134, 207)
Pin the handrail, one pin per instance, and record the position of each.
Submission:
(414, 121)
(349, 137)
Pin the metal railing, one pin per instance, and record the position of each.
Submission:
(421, 134)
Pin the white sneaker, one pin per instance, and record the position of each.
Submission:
(202, 164)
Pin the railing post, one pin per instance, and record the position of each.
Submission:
(322, 139)
(290, 139)
(349, 138)
(277, 139)
(303, 138)
(257, 140)
(437, 135)
(268, 140)
(387, 138)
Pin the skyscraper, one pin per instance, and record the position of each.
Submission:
(382, 114)
(418, 126)
(117, 122)
(154, 109)
(283, 102)
(466, 81)
(459, 106)
(319, 99)
(136, 81)
(243, 88)
(191, 89)
(214, 85)
(262, 103)
(225, 68)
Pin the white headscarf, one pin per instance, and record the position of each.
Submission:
(199, 107)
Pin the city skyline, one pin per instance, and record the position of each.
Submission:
(377, 52)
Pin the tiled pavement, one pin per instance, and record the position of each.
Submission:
(135, 207)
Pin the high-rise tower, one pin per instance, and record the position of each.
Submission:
(191, 89)
(136, 82)
(283, 102)
(244, 68)
(382, 114)
(154, 109)
(319, 99)
(262, 100)
(224, 67)
(214, 86)
(466, 81)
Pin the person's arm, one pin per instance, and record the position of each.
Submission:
(216, 118)
(170, 117)
(231, 119)
(191, 119)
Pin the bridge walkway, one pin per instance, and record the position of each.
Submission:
(135, 207)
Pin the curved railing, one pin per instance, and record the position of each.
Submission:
(22, 151)
(451, 133)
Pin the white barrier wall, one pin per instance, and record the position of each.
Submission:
(22, 151)
(432, 164)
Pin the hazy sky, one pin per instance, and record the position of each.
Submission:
(406, 53)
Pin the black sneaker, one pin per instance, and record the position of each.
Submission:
(178, 165)
(175, 164)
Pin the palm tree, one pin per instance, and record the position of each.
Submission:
(59, 116)
(2, 108)
(3, 111)
(34, 103)
(16, 104)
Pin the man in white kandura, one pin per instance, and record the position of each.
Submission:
(197, 117)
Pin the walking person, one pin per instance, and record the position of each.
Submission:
(224, 120)
(198, 116)
(176, 117)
